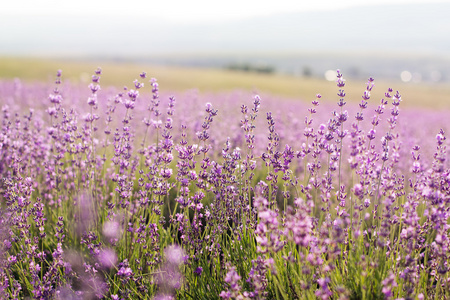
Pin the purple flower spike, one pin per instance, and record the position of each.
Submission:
(198, 271)
(174, 254)
(108, 258)
(125, 272)
(340, 82)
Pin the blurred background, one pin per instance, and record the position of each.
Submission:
(401, 41)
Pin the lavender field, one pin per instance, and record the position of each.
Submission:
(135, 193)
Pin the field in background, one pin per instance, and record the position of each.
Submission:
(175, 79)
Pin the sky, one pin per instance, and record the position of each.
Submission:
(193, 29)
(183, 11)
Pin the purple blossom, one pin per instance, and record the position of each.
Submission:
(125, 272)
(116, 197)
(198, 271)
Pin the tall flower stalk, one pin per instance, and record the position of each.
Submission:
(197, 204)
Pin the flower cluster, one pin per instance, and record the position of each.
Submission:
(132, 193)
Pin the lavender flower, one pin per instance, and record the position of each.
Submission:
(108, 193)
